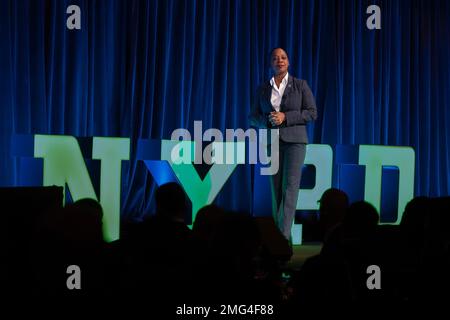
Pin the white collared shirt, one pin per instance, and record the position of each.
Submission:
(277, 93)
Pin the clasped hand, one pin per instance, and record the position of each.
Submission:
(276, 118)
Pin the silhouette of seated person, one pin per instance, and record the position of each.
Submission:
(414, 221)
(204, 229)
(338, 273)
(433, 278)
(357, 245)
(412, 231)
(71, 236)
(160, 247)
(333, 207)
(22, 210)
(229, 274)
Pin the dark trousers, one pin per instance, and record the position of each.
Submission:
(285, 185)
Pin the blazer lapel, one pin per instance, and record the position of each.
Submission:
(287, 91)
(267, 94)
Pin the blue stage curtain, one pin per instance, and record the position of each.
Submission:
(141, 69)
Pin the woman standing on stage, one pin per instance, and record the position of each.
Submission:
(287, 104)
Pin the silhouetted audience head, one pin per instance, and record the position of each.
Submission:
(171, 202)
(415, 219)
(415, 212)
(333, 207)
(206, 222)
(361, 219)
(439, 225)
(82, 222)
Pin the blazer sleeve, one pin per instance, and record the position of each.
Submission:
(308, 111)
(256, 118)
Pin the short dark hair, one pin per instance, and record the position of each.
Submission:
(170, 199)
(275, 48)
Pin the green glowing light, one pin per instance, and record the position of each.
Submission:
(111, 152)
(321, 157)
(374, 157)
(200, 192)
(64, 165)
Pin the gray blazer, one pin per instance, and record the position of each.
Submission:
(297, 104)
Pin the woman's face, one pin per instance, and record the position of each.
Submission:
(280, 61)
